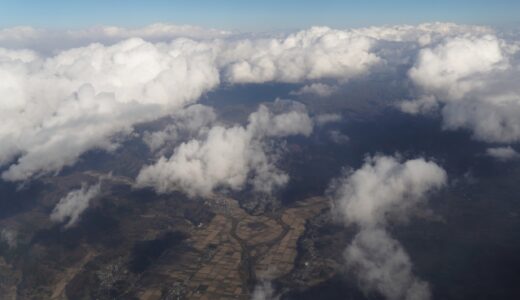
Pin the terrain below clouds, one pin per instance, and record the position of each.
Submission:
(176, 161)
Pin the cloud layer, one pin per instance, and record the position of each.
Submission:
(382, 191)
(58, 103)
(55, 108)
(51, 41)
(317, 53)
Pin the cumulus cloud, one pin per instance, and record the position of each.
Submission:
(58, 104)
(228, 157)
(382, 264)
(422, 34)
(319, 52)
(316, 89)
(491, 119)
(471, 77)
(503, 153)
(322, 52)
(70, 207)
(453, 67)
(53, 40)
(55, 109)
(384, 190)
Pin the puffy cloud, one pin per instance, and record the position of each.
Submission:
(228, 157)
(424, 34)
(384, 190)
(198, 166)
(52, 40)
(291, 119)
(319, 52)
(49, 41)
(24, 56)
(472, 78)
(56, 105)
(322, 52)
(381, 263)
(70, 207)
(55, 109)
(316, 89)
(503, 153)
(491, 119)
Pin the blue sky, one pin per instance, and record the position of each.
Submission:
(254, 15)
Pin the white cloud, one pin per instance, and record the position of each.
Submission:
(55, 109)
(198, 166)
(55, 40)
(384, 190)
(316, 53)
(70, 207)
(58, 103)
(503, 153)
(322, 52)
(381, 263)
(153, 32)
(453, 67)
(291, 119)
(491, 119)
(228, 157)
(473, 79)
(316, 89)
